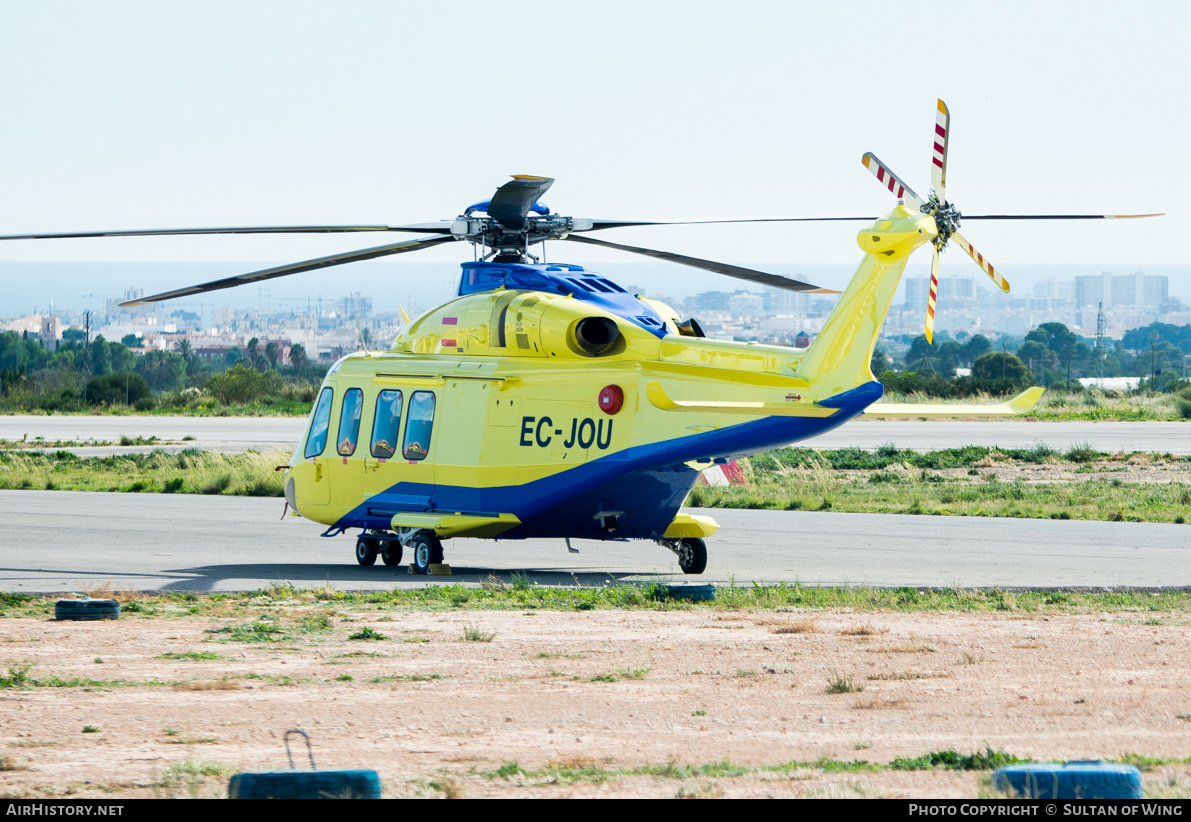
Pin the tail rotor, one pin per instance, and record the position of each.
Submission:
(947, 217)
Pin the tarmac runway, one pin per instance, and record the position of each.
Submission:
(58, 541)
(234, 434)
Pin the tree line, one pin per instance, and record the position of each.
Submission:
(77, 374)
(1051, 355)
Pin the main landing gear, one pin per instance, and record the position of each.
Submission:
(425, 546)
(427, 551)
(691, 551)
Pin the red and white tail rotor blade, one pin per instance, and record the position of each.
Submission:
(938, 169)
(891, 181)
(932, 297)
(980, 261)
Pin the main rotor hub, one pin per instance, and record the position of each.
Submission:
(946, 217)
(486, 231)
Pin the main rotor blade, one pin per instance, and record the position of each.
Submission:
(938, 169)
(932, 297)
(708, 265)
(294, 268)
(891, 181)
(512, 201)
(1060, 216)
(600, 225)
(420, 228)
(995, 275)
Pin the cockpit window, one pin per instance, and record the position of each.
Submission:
(479, 279)
(349, 421)
(388, 420)
(418, 425)
(316, 441)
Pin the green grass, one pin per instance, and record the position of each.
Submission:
(249, 605)
(887, 480)
(368, 634)
(190, 778)
(380, 680)
(253, 632)
(192, 471)
(191, 656)
(890, 480)
(986, 760)
(619, 674)
(472, 633)
(584, 770)
(838, 683)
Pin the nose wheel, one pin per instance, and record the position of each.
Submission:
(691, 552)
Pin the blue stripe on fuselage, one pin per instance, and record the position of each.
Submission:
(531, 499)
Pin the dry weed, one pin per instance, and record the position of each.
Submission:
(708, 790)
(902, 649)
(886, 676)
(863, 630)
(493, 583)
(209, 685)
(806, 626)
(572, 762)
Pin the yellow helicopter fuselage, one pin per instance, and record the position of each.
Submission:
(573, 409)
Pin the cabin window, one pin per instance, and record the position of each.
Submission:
(349, 421)
(319, 424)
(418, 425)
(386, 424)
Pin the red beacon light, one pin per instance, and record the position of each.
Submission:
(611, 399)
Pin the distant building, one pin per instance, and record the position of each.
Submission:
(51, 329)
(917, 291)
(712, 301)
(113, 311)
(746, 304)
(955, 288)
(1137, 289)
(355, 306)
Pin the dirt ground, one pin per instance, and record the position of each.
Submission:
(596, 703)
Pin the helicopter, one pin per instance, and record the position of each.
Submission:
(545, 400)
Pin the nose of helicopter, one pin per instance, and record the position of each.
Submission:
(897, 233)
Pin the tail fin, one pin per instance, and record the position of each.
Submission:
(838, 360)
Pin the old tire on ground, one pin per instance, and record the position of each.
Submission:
(692, 555)
(87, 609)
(390, 552)
(427, 551)
(692, 593)
(357, 784)
(1071, 780)
(365, 551)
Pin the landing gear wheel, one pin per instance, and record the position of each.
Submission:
(427, 551)
(366, 551)
(692, 555)
(390, 552)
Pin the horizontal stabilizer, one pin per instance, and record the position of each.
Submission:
(658, 398)
(1020, 404)
(457, 525)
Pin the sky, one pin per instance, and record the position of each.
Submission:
(154, 115)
